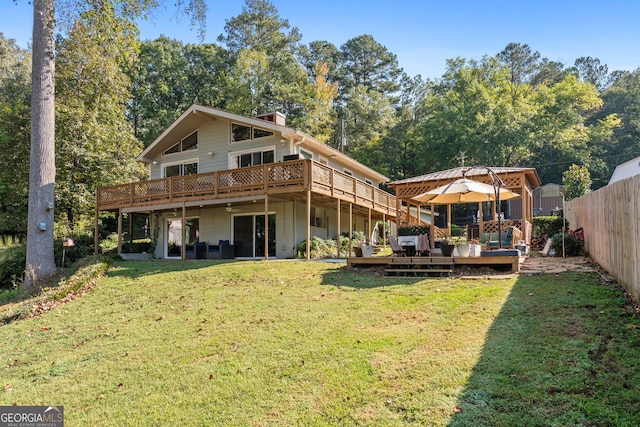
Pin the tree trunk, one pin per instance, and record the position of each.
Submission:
(40, 262)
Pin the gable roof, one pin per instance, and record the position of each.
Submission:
(469, 172)
(195, 115)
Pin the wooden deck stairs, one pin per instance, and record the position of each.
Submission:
(419, 267)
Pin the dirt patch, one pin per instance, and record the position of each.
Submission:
(547, 264)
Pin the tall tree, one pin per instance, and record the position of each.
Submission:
(367, 63)
(160, 81)
(15, 93)
(169, 77)
(264, 49)
(259, 27)
(324, 52)
(400, 144)
(590, 70)
(368, 116)
(40, 261)
(622, 98)
(562, 129)
(474, 109)
(320, 116)
(95, 145)
(523, 65)
(576, 181)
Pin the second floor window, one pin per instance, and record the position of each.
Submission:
(181, 169)
(245, 133)
(255, 158)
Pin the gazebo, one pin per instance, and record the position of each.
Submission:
(518, 180)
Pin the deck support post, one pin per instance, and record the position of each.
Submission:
(119, 231)
(96, 237)
(308, 254)
(350, 227)
(338, 228)
(266, 226)
(369, 228)
(184, 232)
(130, 218)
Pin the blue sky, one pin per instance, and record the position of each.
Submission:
(423, 34)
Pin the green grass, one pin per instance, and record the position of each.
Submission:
(209, 343)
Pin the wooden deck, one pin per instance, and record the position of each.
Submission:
(286, 180)
(433, 265)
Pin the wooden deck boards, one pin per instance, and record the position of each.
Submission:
(430, 263)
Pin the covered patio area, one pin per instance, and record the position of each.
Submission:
(517, 180)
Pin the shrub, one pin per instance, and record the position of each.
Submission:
(83, 247)
(572, 245)
(109, 244)
(413, 230)
(12, 262)
(321, 248)
(457, 230)
(547, 225)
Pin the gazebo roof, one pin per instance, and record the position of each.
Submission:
(455, 173)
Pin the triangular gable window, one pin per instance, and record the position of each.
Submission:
(173, 149)
(186, 144)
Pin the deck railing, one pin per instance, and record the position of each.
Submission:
(272, 178)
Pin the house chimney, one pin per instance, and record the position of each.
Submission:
(275, 117)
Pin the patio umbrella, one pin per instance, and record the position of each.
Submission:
(464, 191)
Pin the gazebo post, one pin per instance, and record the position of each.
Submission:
(480, 220)
(497, 184)
(432, 229)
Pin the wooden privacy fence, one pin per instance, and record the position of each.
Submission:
(610, 218)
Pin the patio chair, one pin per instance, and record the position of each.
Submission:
(423, 248)
(509, 239)
(396, 248)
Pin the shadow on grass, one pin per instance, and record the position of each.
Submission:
(364, 278)
(136, 269)
(564, 350)
(340, 277)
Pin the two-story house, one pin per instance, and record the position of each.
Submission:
(253, 181)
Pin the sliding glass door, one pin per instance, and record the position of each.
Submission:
(173, 237)
(249, 233)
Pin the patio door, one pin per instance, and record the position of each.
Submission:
(249, 235)
(173, 236)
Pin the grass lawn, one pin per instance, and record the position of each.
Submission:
(288, 343)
